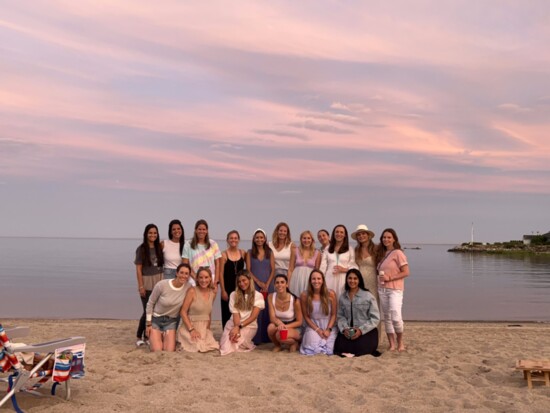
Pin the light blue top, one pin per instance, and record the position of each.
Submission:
(366, 315)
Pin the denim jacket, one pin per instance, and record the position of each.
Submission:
(366, 315)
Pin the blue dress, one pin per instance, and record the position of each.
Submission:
(261, 270)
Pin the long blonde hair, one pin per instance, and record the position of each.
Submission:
(209, 272)
(275, 235)
(324, 294)
(242, 301)
(371, 248)
(311, 248)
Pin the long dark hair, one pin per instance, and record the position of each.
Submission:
(382, 250)
(359, 276)
(144, 248)
(195, 239)
(286, 279)
(345, 243)
(254, 250)
(182, 238)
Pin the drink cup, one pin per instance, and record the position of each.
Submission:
(381, 278)
(283, 334)
(351, 332)
(265, 294)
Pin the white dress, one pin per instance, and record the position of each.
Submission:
(312, 343)
(247, 333)
(282, 258)
(300, 275)
(336, 282)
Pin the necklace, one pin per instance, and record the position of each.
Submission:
(235, 263)
(281, 303)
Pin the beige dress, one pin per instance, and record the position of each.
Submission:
(368, 271)
(199, 314)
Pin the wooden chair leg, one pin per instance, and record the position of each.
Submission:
(529, 380)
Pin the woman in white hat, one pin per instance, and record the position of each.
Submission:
(365, 254)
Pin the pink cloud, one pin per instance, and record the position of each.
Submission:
(318, 111)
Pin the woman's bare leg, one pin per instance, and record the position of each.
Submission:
(400, 343)
(155, 340)
(391, 339)
(169, 340)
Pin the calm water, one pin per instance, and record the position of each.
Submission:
(95, 278)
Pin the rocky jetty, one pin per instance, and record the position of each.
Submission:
(512, 247)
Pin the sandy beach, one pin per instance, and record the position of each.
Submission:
(457, 366)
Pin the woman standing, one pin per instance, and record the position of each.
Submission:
(319, 312)
(392, 269)
(202, 251)
(245, 304)
(305, 258)
(282, 247)
(365, 255)
(358, 319)
(285, 315)
(261, 264)
(172, 248)
(338, 258)
(324, 239)
(163, 309)
(233, 261)
(194, 334)
(149, 262)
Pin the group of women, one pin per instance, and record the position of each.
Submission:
(327, 300)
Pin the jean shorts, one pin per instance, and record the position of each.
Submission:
(169, 273)
(164, 323)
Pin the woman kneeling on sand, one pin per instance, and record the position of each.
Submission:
(163, 307)
(194, 333)
(319, 311)
(245, 303)
(285, 315)
(358, 319)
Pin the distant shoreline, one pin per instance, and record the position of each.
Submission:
(501, 249)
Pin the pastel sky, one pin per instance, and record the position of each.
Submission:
(424, 116)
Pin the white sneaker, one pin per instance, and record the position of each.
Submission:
(140, 342)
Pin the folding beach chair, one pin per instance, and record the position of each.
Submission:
(58, 360)
(14, 332)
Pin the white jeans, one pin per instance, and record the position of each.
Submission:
(391, 302)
